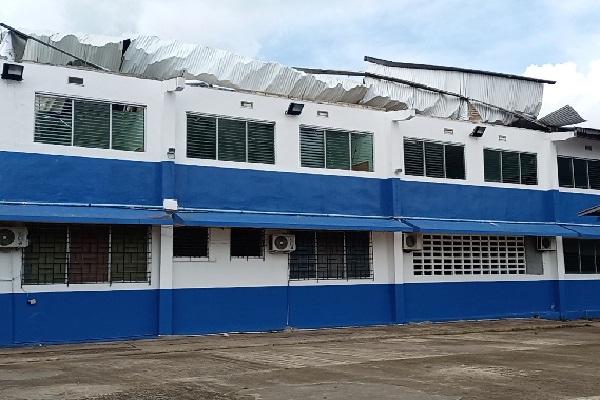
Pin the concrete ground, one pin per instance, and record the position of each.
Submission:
(516, 359)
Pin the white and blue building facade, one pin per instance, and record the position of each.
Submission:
(110, 256)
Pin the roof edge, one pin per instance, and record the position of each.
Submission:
(455, 69)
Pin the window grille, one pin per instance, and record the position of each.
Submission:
(434, 159)
(470, 255)
(336, 149)
(74, 254)
(190, 242)
(247, 243)
(582, 256)
(229, 139)
(510, 167)
(578, 173)
(87, 123)
(331, 255)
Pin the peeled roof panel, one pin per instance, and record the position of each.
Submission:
(564, 116)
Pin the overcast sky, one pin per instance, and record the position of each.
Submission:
(552, 39)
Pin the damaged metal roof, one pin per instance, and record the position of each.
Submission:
(430, 90)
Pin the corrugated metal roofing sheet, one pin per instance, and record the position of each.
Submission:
(562, 117)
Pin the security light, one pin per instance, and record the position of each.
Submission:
(478, 131)
(295, 109)
(13, 72)
(171, 153)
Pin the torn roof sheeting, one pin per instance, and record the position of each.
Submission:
(513, 93)
(564, 116)
(149, 56)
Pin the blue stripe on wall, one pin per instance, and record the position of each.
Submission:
(480, 300)
(63, 179)
(6, 319)
(581, 298)
(59, 317)
(341, 305)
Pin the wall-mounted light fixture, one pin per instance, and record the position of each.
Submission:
(14, 72)
(294, 109)
(171, 153)
(478, 131)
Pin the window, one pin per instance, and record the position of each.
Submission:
(190, 242)
(86, 254)
(582, 256)
(227, 139)
(470, 255)
(578, 173)
(88, 123)
(331, 255)
(434, 159)
(509, 167)
(247, 243)
(336, 149)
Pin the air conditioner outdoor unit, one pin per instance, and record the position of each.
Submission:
(546, 243)
(13, 237)
(282, 243)
(412, 241)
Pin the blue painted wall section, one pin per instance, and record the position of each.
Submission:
(6, 319)
(340, 305)
(84, 180)
(569, 204)
(582, 299)
(452, 301)
(61, 317)
(214, 310)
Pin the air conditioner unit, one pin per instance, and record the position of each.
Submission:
(412, 241)
(13, 237)
(282, 243)
(546, 243)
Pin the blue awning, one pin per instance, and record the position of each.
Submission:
(586, 231)
(483, 227)
(83, 215)
(287, 221)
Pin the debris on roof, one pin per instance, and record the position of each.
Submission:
(564, 116)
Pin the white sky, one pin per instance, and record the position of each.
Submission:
(552, 39)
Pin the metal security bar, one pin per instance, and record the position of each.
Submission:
(72, 254)
(331, 255)
(470, 255)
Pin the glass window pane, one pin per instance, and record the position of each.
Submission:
(246, 242)
(127, 128)
(565, 172)
(89, 248)
(303, 261)
(358, 257)
(232, 140)
(190, 241)
(434, 160)
(261, 143)
(455, 162)
(312, 148)
(571, 255)
(528, 169)
(330, 255)
(510, 167)
(129, 254)
(491, 166)
(53, 120)
(362, 152)
(594, 174)
(580, 173)
(45, 258)
(201, 137)
(337, 146)
(588, 256)
(414, 162)
(91, 124)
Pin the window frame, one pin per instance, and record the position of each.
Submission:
(423, 157)
(246, 121)
(67, 266)
(589, 179)
(261, 242)
(519, 154)
(109, 103)
(191, 257)
(351, 134)
(313, 263)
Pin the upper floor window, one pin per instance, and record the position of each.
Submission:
(88, 123)
(228, 139)
(578, 173)
(86, 254)
(336, 149)
(509, 167)
(434, 159)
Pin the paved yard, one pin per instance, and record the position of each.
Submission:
(517, 359)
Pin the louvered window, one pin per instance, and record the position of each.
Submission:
(331, 255)
(582, 256)
(88, 123)
(336, 149)
(509, 167)
(190, 242)
(434, 159)
(228, 139)
(578, 173)
(86, 254)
